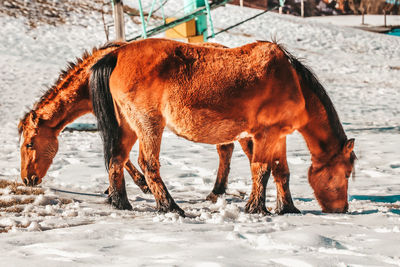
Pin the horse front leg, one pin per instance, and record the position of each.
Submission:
(280, 171)
(260, 171)
(247, 146)
(149, 162)
(225, 155)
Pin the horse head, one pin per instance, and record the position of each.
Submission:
(39, 146)
(330, 179)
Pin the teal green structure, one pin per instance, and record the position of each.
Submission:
(201, 21)
(200, 10)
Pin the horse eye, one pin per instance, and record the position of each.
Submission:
(30, 145)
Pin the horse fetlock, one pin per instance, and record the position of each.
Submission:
(284, 208)
(254, 207)
(142, 184)
(169, 206)
(119, 200)
(145, 188)
(213, 197)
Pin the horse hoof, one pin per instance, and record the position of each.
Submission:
(179, 211)
(119, 202)
(213, 197)
(171, 208)
(287, 209)
(253, 208)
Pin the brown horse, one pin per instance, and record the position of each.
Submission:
(216, 96)
(69, 99)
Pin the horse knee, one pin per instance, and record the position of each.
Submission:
(225, 149)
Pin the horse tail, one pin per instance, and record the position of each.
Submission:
(103, 105)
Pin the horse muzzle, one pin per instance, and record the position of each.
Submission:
(31, 181)
(336, 210)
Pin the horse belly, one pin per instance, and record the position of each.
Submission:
(205, 126)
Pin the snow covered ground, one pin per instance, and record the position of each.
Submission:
(361, 72)
(356, 20)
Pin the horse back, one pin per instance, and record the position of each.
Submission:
(218, 87)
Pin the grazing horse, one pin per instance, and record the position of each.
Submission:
(69, 99)
(216, 96)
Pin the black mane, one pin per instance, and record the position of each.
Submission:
(317, 88)
(71, 66)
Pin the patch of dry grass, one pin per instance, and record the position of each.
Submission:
(14, 202)
(16, 199)
(17, 188)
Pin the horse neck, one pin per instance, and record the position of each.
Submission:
(69, 98)
(323, 132)
(65, 107)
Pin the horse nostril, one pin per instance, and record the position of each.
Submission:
(35, 180)
(26, 181)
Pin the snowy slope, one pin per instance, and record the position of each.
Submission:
(361, 72)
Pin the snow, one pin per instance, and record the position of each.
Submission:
(76, 227)
(356, 20)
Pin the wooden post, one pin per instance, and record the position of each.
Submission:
(362, 17)
(281, 4)
(384, 17)
(302, 8)
(119, 20)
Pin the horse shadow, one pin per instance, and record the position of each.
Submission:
(379, 199)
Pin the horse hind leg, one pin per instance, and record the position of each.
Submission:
(117, 196)
(225, 155)
(149, 162)
(137, 177)
(280, 171)
(260, 171)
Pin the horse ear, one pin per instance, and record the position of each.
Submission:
(20, 127)
(348, 146)
(33, 118)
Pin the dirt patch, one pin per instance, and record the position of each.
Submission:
(51, 12)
